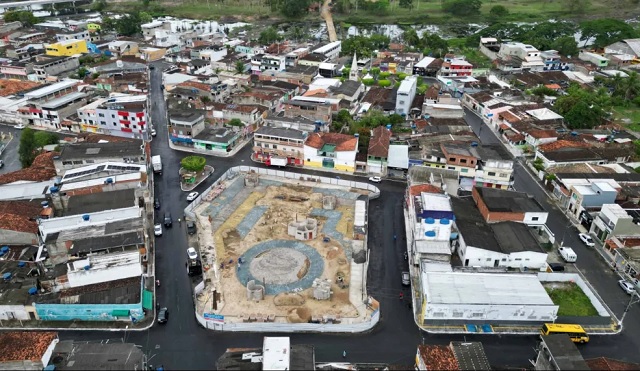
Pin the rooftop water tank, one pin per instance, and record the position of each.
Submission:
(474, 144)
(389, 126)
(109, 180)
(87, 267)
(6, 276)
(21, 264)
(430, 233)
(86, 217)
(444, 221)
(33, 291)
(356, 135)
(4, 249)
(53, 189)
(429, 221)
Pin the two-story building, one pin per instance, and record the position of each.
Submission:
(430, 223)
(330, 51)
(310, 110)
(452, 67)
(591, 196)
(74, 35)
(185, 125)
(120, 48)
(614, 221)
(553, 61)
(594, 58)
(502, 205)
(331, 151)
(66, 48)
(378, 152)
(279, 146)
(45, 67)
(48, 106)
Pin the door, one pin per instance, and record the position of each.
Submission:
(496, 263)
(466, 262)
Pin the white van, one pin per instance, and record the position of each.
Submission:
(568, 254)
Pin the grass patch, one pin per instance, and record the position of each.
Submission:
(627, 116)
(571, 300)
(423, 12)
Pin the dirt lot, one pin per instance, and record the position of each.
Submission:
(281, 205)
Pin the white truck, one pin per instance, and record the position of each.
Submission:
(156, 161)
(568, 254)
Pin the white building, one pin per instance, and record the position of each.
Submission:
(406, 94)
(122, 115)
(431, 220)
(331, 151)
(103, 268)
(614, 221)
(464, 297)
(331, 50)
(276, 353)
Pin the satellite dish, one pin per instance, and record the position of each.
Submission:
(119, 64)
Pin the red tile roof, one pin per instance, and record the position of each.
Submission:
(379, 143)
(562, 144)
(41, 170)
(538, 134)
(438, 357)
(11, 87)
(23, 345)
(343, 142)
(509, 116)
(18, 223)
(416, 190)
(196, 84)
(553, 86)
(604, 363)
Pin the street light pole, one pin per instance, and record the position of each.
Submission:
(633, 300)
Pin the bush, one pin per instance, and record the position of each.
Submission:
(384, 83)
(193, 163)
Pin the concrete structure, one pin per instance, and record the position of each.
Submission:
(46, 67)
(303, 230)
(458, 298)
(553, 61)
(590, 196)
(66, 48)
(406, 94)
(217, 140)
(331, 51)
(431, 224)
(79, 155)
(378, 151)
(121, 116)
(614, 221)
(331, 151)
(74, 35)
(596, 59)
(310, 110)
(557, 352)
(51, 104)
(501, 205)
(185, 125)
(121, 48)
(453, 67)
(85, 356)
(274, 146)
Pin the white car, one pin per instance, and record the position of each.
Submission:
(153, 132)
(157, 230)
(375, 179)
(586, 239)
(192, 253)
(192, 196)
(19, 127)
(627, 286)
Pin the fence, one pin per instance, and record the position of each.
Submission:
(218, 323)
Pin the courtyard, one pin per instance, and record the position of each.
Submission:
(282, 250)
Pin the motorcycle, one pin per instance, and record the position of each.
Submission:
(158, 283)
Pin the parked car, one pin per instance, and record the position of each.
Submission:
(556, 267)
(163, 315)
(586, 239)
(193, 254)
(191, 227)
(375, 179)
(157, 230)
(627, 286)
(167, 220)
(156, 203)
(192, 196)
(19, 127)
(406, 280)
(152, 67)
(153, 132)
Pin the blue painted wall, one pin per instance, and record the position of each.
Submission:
(87, 312)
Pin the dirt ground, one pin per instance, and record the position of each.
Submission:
(285, 203)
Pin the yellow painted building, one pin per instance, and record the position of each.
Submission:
(93, 27)
(66, 48)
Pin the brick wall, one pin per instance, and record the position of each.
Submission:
(494, 216)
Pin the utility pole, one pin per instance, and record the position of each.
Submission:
(635, 298)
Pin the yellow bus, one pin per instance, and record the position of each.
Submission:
(575, 332)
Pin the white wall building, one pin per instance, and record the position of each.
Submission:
(331, 50)
(406, 94)
(463, 297)
(104, 268)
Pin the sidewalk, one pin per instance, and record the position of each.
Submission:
(509, 330)
(113, 326)
(233, 152)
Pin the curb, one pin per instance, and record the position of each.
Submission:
(194, 186)
(80, 329)
(205, 153)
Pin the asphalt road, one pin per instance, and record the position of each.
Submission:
(183, 344)
(10, 154)
(590, 263)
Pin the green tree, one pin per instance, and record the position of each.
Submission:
(99, 5)
(82, 72)
(235, 122)
(368, 82)
(435, 45)
(145, 17)
(406, 4)
(44, 138)
(499, 11)
(411, 37)
(268, 36)
(108, 24)
(342, 118)
(193, 163)
(361, 45)
(240, 67)
(565, 45)
(583, 108)
(294, 8)
(379, 41)
(606, 31)
(462, 8)
(384, 83)
(25, 17)
(128, 25)
(576, 6)
(27, 149)
(375, 71)
(384, 75)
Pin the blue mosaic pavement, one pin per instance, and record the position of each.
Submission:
(329, 228)
(316, 266)
(250, 219)
(340, 193)
(224, 198)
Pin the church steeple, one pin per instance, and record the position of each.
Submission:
(353, 73)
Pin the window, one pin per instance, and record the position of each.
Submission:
(518, 259)
(451, 168)
(464, 170)
(113, 116)
(488, 259)
(534, 218)
(275, 146)
(491, 173)
(102, 123)
(503, 175)
(452, 159)
(463, 160)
